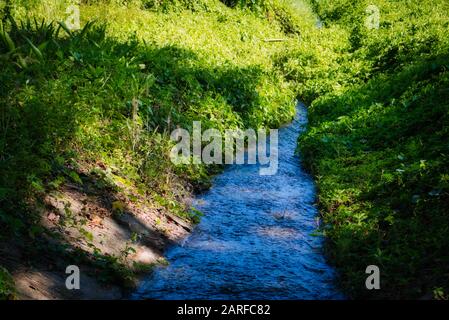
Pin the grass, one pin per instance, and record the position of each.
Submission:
(377, 141)
(103, 100)
(74, 94)
(111, 93)
(7, 290)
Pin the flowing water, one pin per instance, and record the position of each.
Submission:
(256, 239)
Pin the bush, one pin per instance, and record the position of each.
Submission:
(377, 141)
(7, 290)
(112, 94)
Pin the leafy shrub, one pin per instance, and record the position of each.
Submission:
(7, 290)
(112, 94)
(377, 141)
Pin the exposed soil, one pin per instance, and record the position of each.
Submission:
(96, 224)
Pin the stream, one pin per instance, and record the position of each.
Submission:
(256, 240)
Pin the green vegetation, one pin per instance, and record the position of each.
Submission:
(111, 93)
(377, 141)
(7, 290)
(100, 103)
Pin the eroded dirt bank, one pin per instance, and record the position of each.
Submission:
(112, 237)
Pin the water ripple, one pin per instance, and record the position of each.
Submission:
(254, 241)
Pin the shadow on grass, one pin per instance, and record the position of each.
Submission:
(380, 152)
(66, 98)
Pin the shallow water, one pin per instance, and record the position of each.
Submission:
(255, 240)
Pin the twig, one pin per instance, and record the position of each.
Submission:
(274, 40)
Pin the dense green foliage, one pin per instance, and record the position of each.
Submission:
(70, 97)
(102, 101)
(7, 290)
(378, 140)
(110, 94)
